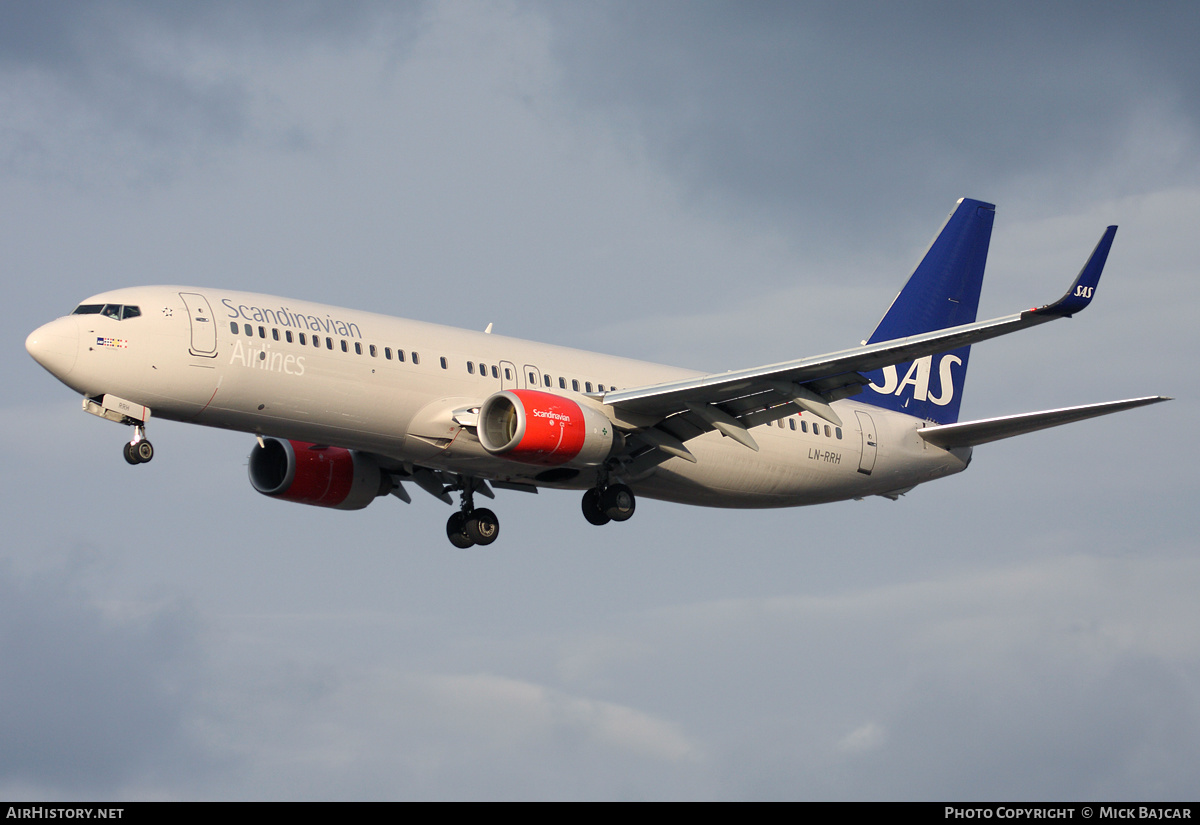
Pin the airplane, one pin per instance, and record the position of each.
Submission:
(349, 406)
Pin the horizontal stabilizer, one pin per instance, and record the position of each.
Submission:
(971, 433)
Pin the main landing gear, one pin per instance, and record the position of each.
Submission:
(612, 503)
(469, 526)
(139, 450)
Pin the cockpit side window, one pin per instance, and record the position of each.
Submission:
(115, 311)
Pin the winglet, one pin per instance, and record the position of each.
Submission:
(1081, 292)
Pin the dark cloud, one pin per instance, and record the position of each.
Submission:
(823, 114)
(642, 187)
(1021, 727)
(71, 38)
(144, 86)
(92, 700)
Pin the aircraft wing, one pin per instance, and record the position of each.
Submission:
(971, 433)
(734, 401)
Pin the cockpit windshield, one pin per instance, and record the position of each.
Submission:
(115, 311)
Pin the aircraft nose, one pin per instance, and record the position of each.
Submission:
(55, 346)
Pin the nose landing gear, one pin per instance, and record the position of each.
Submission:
(112, 408)
(139, 450)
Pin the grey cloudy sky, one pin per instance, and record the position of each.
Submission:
(713, 185)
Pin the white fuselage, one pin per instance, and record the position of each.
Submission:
(296, 370)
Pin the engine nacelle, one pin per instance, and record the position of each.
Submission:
(321, 476)
(541, 428)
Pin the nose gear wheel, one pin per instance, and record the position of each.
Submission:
(139, 450)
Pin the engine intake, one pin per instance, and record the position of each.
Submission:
(317, 475)
(541, 428)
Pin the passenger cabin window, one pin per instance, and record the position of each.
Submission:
(262, 332)
(575, 384)
(546, 380)
(470, 367)
(344, 347)
(507, 374)
(387, 353)
(233, 327)
(416, 359)
(399, 355)
(495, 372)
(357, 348)
(249, 331)
(443, 360)
(328, 343)
(288, 334)
(562, 383)
(374, 351)
(275, 333)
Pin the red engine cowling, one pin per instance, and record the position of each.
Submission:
(321, 476)
(541, 428)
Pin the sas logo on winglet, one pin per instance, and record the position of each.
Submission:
(116, 343)
(918, 376)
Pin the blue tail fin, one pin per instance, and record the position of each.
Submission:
(942, 292)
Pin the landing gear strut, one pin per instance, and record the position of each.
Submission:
(139, 450)
(614, 502)
(469, 526)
